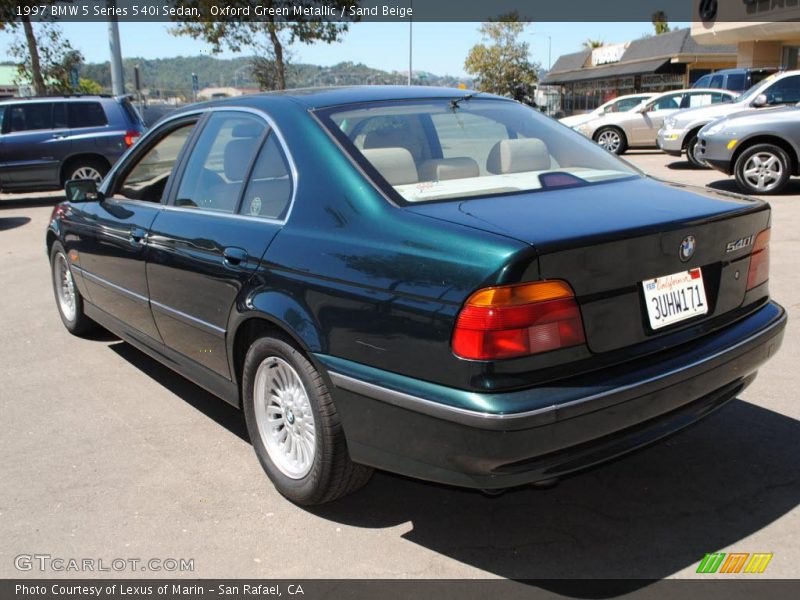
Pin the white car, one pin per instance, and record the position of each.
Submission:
(618, 104)
(637, 128)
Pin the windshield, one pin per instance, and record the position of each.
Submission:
(421, 151)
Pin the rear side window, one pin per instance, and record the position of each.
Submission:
(30, 117)
(269, 189)
(219, 162)
(735, 82)
(131, 112)
(86, 114)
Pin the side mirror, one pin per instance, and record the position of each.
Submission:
(82, 190)
(644, 108)
(760, 100)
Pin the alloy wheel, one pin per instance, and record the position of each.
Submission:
(610, 140)
(763, 171)
(87, 173)
(65, 287)
(284, 417)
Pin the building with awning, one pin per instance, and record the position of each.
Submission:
(658, 63)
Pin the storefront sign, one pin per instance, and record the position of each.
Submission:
(608, 54)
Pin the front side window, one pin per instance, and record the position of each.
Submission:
(784, 91)
(31, 117)
(147, 179)
(475, 147)
(216, 170)
(667, 102)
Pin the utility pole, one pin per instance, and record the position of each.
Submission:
(410, 42)
(117, 73)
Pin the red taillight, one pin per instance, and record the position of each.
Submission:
(131, 137)
(518, 320)
(759, 261)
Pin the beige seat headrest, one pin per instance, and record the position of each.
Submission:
(516, 156)
(396, 165)
(439, 169)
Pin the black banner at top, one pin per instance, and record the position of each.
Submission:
(705, 11)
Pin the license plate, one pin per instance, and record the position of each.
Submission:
(675, 297)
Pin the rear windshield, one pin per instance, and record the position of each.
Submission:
(131, 111)
(420, 151)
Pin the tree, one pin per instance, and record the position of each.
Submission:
(46, 58)
(8, 20)
(591, 44)
(660, 23)
(501, 66)
(270, 38)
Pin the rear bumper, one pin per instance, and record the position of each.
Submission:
(471, 439)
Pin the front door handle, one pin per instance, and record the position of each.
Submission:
(138, 236)
(234, 256)
(59, 136)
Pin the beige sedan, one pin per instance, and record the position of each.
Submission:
(637, 128)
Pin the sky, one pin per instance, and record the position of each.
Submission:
(438, 48)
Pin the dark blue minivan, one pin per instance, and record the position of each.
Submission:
(46, 141)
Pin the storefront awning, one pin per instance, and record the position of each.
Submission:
(615, 70)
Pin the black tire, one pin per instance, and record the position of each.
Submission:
(77, 323)
(750, 183)
(691, 144)
(73, 169)
(332, 474)
(619, 148)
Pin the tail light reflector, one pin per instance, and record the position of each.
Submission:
(518, 320)
(759, 260)
(131, 137)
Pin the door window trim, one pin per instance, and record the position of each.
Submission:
(272, 128)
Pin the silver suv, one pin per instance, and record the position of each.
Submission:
(679, 133)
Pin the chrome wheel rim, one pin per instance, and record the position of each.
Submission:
(65, 287)
(609, 140)
(763, 171)
(87, 173)
(284, 417)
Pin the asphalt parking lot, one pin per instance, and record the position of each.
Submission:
(107, 454)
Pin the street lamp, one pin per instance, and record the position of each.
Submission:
(549, 48)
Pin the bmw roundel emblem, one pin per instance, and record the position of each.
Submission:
(687, 248)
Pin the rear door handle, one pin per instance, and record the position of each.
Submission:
(59, 136)
(138, 236)
(234, 256)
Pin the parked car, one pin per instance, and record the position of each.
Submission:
(679, 133)
(46, 141)
(637, 128)
(442, 284)
(735, 80)
(619, 104)
(760, 148)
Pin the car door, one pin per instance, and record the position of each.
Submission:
(231, 199)
(112, 234)
(646, 124)
(35, 137)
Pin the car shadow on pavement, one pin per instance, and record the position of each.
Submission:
(729, 185)
(640, 518)
(12, 222)
(645, 516)
(13, 201)
(214, 408)
(681, 165)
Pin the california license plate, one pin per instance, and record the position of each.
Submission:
(675, 297)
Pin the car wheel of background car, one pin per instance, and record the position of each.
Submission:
(763, 169)
(68, 298)
(612, 139)
(294, 426)
(86, 168)
(691, 145)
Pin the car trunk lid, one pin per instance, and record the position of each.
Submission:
(606, 239)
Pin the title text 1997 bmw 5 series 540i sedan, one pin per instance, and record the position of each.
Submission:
(442, 284)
